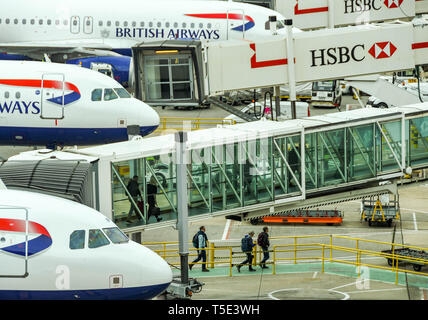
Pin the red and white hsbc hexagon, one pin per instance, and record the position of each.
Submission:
(345, 53)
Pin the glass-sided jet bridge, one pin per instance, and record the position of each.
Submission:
(260, 168)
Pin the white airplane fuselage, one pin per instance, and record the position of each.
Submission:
(98, 23)
(65, 250)
(56, 104)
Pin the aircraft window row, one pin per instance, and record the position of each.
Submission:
(150, 24)
(97, 238)
(7, 95)
(109, 94)
(108, 23)
(33, 21)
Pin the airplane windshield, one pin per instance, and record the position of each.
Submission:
(97, 239)
(115, 235)
(109, 94)
(122, 93)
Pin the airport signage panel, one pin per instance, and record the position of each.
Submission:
(420, 44)
(421, 6)
(309, 14)
(345, 52)
(234, 65)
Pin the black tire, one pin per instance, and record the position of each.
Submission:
(161, 177)
(417, 267)
(382, 105)
(254, 221)
(390, 262)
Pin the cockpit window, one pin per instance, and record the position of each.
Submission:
(97, 239)
(109, 94)
(77, 239)
(122, 93)
(115, 235)
(97, 94)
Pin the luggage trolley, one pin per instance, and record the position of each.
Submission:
(410, 253)
(373, 211)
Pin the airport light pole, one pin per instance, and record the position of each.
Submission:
(182, 209)
(291, 66)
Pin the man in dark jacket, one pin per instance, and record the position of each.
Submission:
(263, 242)
(201, 242)
(247, 246)
(134, 191)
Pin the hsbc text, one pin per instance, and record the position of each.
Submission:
(331, 56)
(352, 6)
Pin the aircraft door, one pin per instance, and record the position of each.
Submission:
(52, 96)
(75, 24)
(14, 239)
(235, 24)
(88, 25)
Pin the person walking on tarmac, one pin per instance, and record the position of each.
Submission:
(200, 240)
(263, 242)
(247, 246)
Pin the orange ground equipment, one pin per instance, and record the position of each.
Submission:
(329, 217)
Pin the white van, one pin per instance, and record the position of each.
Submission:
(302, 111)
(410, 87)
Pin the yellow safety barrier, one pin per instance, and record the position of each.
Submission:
(326, 253)
(174, 124)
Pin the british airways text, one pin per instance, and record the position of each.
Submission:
(22, 107)
(167, 33)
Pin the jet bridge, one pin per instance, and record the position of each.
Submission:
(311, 14)
(317, 55)
(261, 168)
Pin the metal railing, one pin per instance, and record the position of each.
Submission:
(174, 124)
(296, 252)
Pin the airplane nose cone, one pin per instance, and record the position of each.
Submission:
(148, 119)
(160, 273)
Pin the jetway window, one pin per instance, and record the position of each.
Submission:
(77, 239)
(168, 77)
(417, 132)
(97, 239)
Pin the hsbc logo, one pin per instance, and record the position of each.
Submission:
(357, 53)
(382, 50)
(393, 3)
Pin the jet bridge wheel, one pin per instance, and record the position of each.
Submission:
(255, 221)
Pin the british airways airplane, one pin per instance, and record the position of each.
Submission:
(50, 104)
(69, 251)
(61, 30)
